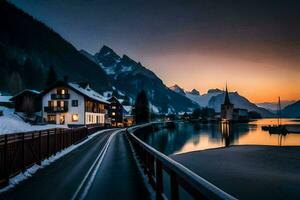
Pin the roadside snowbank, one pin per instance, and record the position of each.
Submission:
(12, 123)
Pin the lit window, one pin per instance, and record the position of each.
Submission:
(63, 91)
(113, 113)
(75, 118)
(113, 107)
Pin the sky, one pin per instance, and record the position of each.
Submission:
(254, 45)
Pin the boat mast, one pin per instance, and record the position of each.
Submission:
(279, 112)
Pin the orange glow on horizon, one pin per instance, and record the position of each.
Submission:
(257, 81)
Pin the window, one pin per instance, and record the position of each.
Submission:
(75, 118)
(113, 107)
(75, 103)
(51, 119)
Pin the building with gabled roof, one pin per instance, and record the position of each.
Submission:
(74, 104)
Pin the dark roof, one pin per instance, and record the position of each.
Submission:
(26, 91)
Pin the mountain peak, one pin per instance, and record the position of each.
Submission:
(176, 88)
(105, 50)
(216, 90)
(194, 92)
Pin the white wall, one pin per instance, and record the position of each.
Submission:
(91, 118)
(71, 110)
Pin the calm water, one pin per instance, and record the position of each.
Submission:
(188, 137)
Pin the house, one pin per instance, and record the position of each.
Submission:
(74, 104)
(240, 114)
(227, 108)
(27, 101)
(115, 112)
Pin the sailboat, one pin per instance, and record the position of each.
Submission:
(279, 128)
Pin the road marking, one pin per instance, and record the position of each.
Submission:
(93, 170)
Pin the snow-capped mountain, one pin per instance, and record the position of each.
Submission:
(215, 97)
(177, 89)
(130, 77)
(194, 92)
(239, 102)
(194, 95)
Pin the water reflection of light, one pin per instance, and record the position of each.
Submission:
(192, 137)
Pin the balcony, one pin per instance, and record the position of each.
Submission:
(51, 109)
(60, 96)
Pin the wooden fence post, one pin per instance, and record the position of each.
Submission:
(159, 180)
(54, 137)
(174, 187)
(48, 143)
(40, 148)
(23, 152)
(6, 169)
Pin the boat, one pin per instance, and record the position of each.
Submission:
(279, 128)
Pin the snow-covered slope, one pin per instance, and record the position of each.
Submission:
(194, 95)
(130, 77)
(215, 97)
(12, 123)
(202, 100)
(177, 89)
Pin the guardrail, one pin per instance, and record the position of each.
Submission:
(22, 150)
(155, 163)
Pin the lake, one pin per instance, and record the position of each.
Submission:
(187, 137)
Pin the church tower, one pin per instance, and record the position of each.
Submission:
(227, 108)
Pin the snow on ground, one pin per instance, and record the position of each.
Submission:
(12, 123)
(32, 170)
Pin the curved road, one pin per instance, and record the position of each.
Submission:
(93, 170)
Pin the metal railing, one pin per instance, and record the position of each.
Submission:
(20, 151)
(155, 163)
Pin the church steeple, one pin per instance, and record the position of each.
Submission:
(227, 100)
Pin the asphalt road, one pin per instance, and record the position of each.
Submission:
(91, 171)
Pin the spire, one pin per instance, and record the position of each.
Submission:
(227, 100)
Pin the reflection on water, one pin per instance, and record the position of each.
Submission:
(188, 137)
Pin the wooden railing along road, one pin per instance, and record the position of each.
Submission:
(20, 151)
(167, 177)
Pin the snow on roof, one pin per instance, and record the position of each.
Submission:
(127, 108)
(88, 92)
(5, 99)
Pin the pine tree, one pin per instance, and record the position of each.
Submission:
(15, 83)
(141, 111)
(51, 77)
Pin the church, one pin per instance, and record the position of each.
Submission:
(227, 108)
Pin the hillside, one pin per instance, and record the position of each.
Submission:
(130, 77)
(239, 102)
(215, 97)
(292, 110)
(28, 48)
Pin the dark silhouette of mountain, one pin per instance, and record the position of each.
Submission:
(130, 77)
(292, 110)
(29, 48)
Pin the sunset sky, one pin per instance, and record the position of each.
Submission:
(253, 45)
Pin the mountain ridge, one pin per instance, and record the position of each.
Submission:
(29, 48)
(130, 76)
